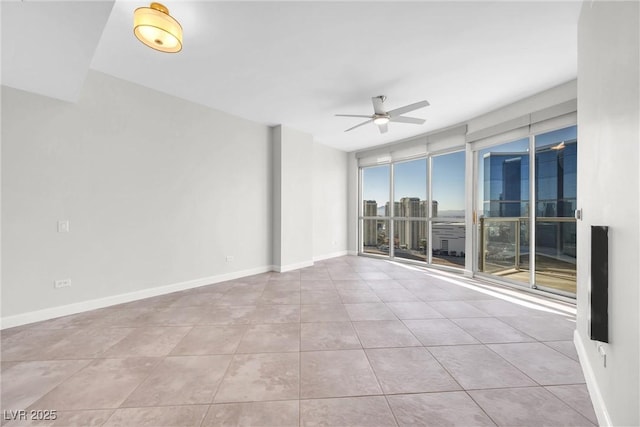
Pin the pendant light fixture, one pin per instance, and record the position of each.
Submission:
(157, 29)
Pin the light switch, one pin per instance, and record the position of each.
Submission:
(63, 226)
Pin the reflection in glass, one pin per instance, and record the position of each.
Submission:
(410, 239)
(375, 236)
(375, 191)
(503, 207)
(447, 240)
(556, 166)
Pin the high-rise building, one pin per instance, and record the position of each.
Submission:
(369, 230)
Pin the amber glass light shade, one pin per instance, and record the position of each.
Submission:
(154, 27)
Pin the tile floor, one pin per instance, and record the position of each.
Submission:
(350, 341)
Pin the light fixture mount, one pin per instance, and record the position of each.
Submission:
(154, 27)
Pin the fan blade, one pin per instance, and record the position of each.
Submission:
(407, 108)
(383, 128)
(377, 104)
(403, 119)
(353, 115)
(361, 124)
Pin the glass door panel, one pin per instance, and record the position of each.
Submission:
(410, 209)
(448, 209)
(556, 166)
(502, 206)
(375, 236)
(374, 223)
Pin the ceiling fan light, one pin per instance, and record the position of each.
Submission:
(157, 29)
(381, 120)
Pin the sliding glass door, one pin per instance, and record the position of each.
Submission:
(509, 228)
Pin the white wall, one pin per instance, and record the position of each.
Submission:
(329, 202)
(293, 199)
(157, 191)
(608, 194)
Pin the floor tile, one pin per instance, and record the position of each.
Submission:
(439, 332)
(491, 330)
(576, 396)
(336, 373)
(351, 296)
(26, 382)
(395, 295)
(314, 285)
(321, 274)
(384, 333)
(253, 414)
(498, 307)
(413, 310)
(346, 411)
(103, 384)
(150, 341)
(240, 297)
(374, 275)
(369, 311)
(181, 380)
(201, 340)
(320, 296)
(279, 297)
(462, 362)
(31, 344)
(409, 370)
(384, 285)
(86, 343)
(531, 406)
(200, 298)
(323, 313)
(328, 336)
(438, 409)
(276, 314)
(457, 309)
(271, 338)
(568, 348)
(355, 285)
(164, 416)
(543, 364)
(255, 377)
(543, 327)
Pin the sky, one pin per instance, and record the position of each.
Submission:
(411, 181)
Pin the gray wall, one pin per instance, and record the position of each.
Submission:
(329, 201)
(608, 193)
(159, 192)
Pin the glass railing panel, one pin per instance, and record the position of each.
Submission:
(448, 243)
(375, 236)
(410, 239)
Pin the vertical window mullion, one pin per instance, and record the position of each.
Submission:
(532, 212)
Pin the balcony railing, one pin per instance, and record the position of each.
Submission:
(505, 250)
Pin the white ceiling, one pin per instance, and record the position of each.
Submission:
(299, 63)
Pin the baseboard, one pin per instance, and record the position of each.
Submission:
(329, 256)
(599, 405)
(289, 267)
(354, 253)
(79, 307)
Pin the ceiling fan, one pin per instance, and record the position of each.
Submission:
(381, 117)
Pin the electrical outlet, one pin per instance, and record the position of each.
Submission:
(63, 283)
(229, 258)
